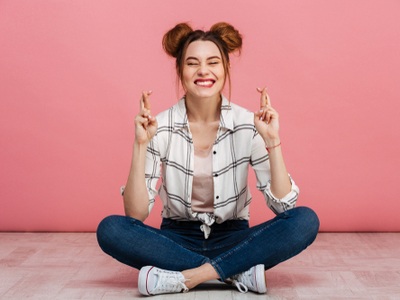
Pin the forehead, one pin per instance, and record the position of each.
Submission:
(202, 49)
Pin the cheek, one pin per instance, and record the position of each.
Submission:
(221, 73)
(185, 79)
(186, 75)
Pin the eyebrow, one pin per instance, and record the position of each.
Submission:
(211, 57)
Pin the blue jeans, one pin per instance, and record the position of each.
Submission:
(231, 248)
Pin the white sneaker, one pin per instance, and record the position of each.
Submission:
(153, 281)
(253, 280)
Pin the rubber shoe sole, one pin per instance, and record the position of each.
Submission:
(259, 274)
(143, 280)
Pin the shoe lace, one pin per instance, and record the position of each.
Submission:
(242, 281)
(240, 286)
(169, 282)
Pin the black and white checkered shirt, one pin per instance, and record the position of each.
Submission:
(170, 155)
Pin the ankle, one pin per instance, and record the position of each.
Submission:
(192, 278)
(199, 275)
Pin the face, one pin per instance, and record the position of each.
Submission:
(203, 74)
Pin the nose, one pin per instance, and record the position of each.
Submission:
(202, 70)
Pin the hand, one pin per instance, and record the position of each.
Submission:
(266, 120)
(145, 124)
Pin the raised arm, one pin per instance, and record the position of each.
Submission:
(136, 198)
(266, 121)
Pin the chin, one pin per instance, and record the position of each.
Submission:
(205, 93)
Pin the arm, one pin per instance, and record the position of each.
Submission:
(267, 124)
(136, 197)
(260, 162)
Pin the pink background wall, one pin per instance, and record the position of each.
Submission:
(71, 73)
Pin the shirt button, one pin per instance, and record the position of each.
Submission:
(215, 152)
(215, 175)
(217, 197)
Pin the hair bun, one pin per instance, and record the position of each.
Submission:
(174, 38)
(228, 33)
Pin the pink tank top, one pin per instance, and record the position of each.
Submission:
(203, 185)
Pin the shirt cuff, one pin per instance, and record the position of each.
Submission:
(285, 203)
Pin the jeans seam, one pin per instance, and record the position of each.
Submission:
(135, 223)
(150, 229)
(218, 269)
(215, 262)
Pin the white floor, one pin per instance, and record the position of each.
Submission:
(71, 266)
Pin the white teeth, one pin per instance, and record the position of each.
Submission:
(204, 83)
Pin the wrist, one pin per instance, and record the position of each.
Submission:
(140, 143)
(139, 147)
(273, 146)
(272, 142)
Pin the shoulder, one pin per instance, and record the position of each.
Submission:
(240, 109)
(168, 116)
(241, 115)
(166, 113)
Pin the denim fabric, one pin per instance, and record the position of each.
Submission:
(231, 248)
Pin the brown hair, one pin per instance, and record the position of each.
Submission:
(223, 35)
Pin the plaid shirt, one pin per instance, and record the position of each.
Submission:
(170, 155)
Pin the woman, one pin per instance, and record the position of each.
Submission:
(201, 149)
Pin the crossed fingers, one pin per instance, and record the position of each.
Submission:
(145, 105)
(266, 112)
(144, 117)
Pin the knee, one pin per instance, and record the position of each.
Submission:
(307, 222)
(105, 225)
(309, 216)
(106, 230)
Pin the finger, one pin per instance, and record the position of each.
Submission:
(258, 116)
(263, 97)
(144, 112)
(268, 117)
(146, 100)
(272, 114)
(266, 114)
(267, 98)
(153, 121)
(141, 103)
(262, 113)
(141, 121)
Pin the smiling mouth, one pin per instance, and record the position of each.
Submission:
(205, 82)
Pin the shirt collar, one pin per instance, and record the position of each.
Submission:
(226, 118)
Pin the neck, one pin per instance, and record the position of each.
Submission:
(203, 109)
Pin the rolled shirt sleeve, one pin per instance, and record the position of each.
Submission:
(283, 204)
(152, 171)
(261, 166)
